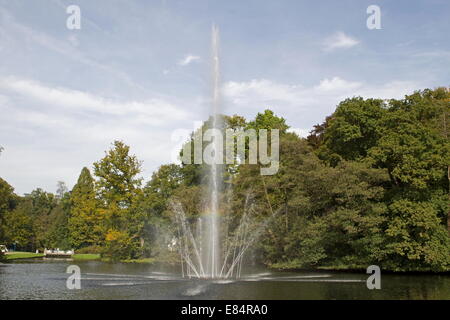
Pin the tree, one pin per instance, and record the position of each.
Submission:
(433, 110)
(407, 138)
(416, 238)
(268, 120)
(29, 221)
(8, 201)
(61, 189)
(19, 226)
(85, 221)
(42, 204)
(161, 187)
(118, 183)
(352, 130)
(59, 236)
(324, 215)
(413, 155)
(119, 190)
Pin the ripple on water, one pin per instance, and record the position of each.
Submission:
(195, 291)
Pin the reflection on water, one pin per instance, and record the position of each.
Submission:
(46, 279)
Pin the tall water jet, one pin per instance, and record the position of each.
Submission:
(208, 246)
(215, 176)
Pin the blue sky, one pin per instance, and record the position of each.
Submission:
(140, 70)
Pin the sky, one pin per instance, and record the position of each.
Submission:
(140, 72)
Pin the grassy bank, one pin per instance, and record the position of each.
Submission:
(22, 255)
(77, 257)
(30, 255)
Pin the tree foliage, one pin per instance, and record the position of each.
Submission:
(118, 188)
(85, 222)
(369, 185)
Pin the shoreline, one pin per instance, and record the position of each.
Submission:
(153, 261)
(360, 269)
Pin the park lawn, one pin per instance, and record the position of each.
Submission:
(28, 255)
(22, 255)
(86, 256)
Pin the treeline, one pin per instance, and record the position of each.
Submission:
(370, 185)
(99, 215)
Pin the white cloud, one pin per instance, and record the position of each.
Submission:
(188, 59)
(300, 132)
(259, 93)
(50, 133)
(304, 106)
(339, 40)
(265, 91)
(154, 111)
(336, 84)
(257, 90)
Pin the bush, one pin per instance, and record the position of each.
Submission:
(90, 249)
(119, 246)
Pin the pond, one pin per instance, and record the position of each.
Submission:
(46, 279)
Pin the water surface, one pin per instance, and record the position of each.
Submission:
(46, 279)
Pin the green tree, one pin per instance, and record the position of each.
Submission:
(118, 187)
(268, 120)
(58, 235)
(407, 138)
(161, 187)
(432, 109)
(416, 238)
(85, 221)
(19, 226)
(40, 212)
(352, 130)
(8, 200)
(414, 156)
(324, 215)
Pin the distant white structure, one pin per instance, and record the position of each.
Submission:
(56, 253)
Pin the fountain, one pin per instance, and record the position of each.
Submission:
(206, 252)
(210, 254)
(208, 246)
